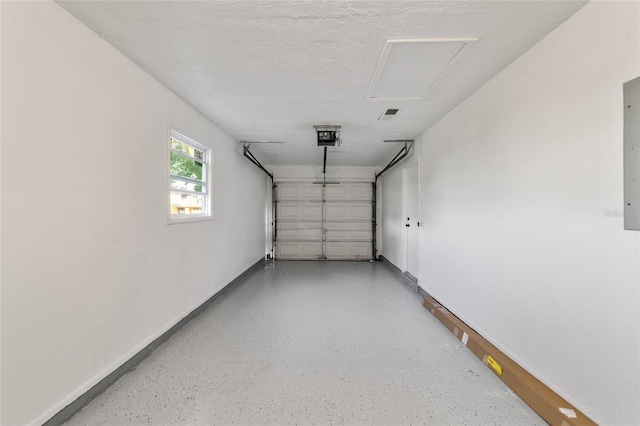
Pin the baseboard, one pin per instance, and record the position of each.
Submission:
(405, 278)
(554, 409)
(80, 402)
(423, 292)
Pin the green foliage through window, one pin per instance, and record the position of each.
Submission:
(188, 183)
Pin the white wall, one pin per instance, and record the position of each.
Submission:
(91, 272)
(517, 188)
(334, 173)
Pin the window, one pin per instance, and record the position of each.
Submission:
(189, 179)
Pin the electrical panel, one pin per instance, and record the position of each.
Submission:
(632, 154)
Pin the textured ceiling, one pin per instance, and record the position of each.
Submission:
(271, 70)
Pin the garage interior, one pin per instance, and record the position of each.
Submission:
(311, 342)
(338, 162)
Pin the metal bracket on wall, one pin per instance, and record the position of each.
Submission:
(254, 160)
(399, 156)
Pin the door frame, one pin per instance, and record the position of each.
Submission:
(405, 212)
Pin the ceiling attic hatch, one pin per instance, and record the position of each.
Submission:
(411, 69)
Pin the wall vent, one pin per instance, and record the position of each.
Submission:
(389, 114)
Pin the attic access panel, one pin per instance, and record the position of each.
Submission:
(412, 69)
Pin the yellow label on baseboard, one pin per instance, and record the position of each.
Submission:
(494, 364)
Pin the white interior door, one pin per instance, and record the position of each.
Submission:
(412, 225)
(324, 221)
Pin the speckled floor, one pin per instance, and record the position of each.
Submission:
(312, 343)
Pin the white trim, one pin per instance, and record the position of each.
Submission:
(189, 192)
(187, 180)
(184, 154)
(405, 195)
(175, 219)
(445, 71)
(184, 138)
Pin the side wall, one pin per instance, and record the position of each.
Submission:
(91, 272)
(521, 198)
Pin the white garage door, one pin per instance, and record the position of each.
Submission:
(330, 221)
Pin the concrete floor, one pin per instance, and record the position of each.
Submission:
(312, 343)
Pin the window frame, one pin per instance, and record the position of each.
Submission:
(206, 180)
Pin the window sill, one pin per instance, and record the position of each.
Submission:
(173, 220)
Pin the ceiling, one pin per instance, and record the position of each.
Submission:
(270, 70)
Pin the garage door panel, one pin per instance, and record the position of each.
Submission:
(299, 250)
(337, 227)
(299, 191)
(348, 250)
(346, 231)
(299, 211)
(348, 211)
(300, 231)
(349, 192)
